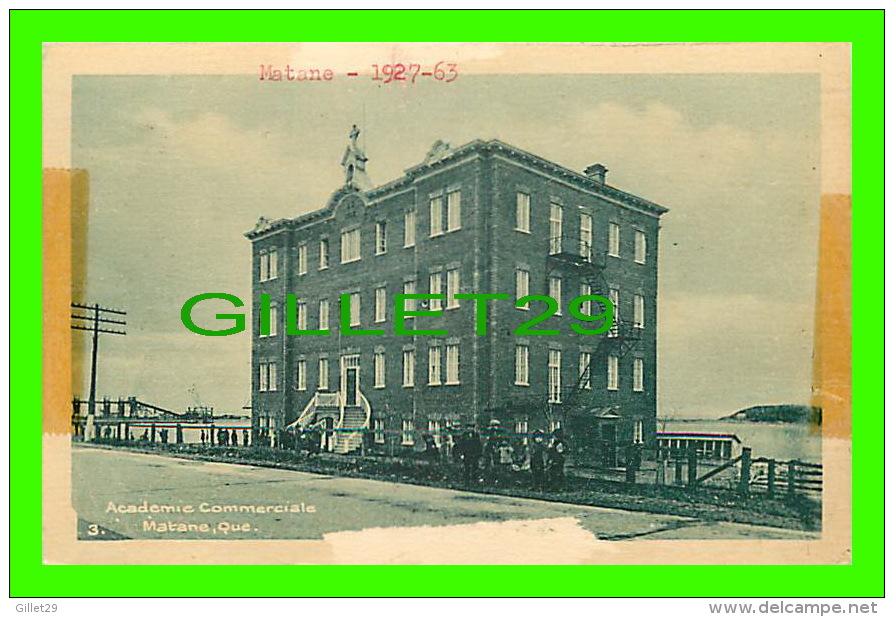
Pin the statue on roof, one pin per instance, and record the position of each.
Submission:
(354, 163)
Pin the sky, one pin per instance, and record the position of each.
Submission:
(182, 166)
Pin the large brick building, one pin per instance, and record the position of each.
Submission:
(485, 217)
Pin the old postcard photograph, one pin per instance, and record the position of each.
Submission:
(466, 303)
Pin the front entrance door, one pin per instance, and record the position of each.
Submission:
(350, 380)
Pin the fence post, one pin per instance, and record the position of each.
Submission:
(678, 471)
(692, 464)
(771, 477)
(791, 477)
(745, 475)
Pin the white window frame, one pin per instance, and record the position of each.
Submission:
(409, 229)
(379, 431)
(355, 308)
(301, 310)
(323, 374)
(614, 239)
(408, 367)
(301, 375)
(523, 212)
(554, 367)
(640, 246)
(324, 317)
(586, 307)
(434, 429)
(324, 253)
(269, 265)
(379, 369)
(434, 365)
(585, 370)
(522, 365)
(381, 238)
(555, 291)
(381, 303)
(302, 260)
(453, 288)
(612, 376)
(409, 303)
(639, 311)
(639, 375)
(637, 431)
(452, 360)
(454, 210)
(435, 280)
(521, 430)
(586, 236)
(522, 286)
(350, 245)
(614, 296)
(406, 433)
(274, 322)
(556, 216)
(436, 216)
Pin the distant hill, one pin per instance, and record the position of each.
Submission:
(795, 414)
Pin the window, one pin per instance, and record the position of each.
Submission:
(639, 247)
(379, 431)
(406, 433)
(324, 314)
(268, 265)
(523, 212)
(586, 237)
(381, 238)
(380, 302)
(408, 368)
(584, 373)
(452, 364)
(614, 240)
(355, 308)
(454, 210)
(302, 315)
(410, 288)
(323, 374)
(555, 425)
(452, 288)
(522, 376)
(434, 366)
(586, 308)
(521, 429)
(324, 254)
(434, 287)
(434, 428)
(301, 375)
(637, 431)
(522, 285)
(350, 245)
(613, 372)
(274, 321)
(615, 298)
(555, 291)
(555, 229)
(436, 214)
(302, 259)
(639, 311)
(267, 377)
(409, 228)
(638, 385)
(379, 369)
(555, 376)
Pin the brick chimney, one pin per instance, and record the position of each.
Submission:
(596, 171)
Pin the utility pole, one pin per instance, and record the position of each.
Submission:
(92, 319)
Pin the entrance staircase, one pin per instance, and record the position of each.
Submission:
(350, 421)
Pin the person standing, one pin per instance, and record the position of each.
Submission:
(234, 438)
(470, 453)
(537, 459)
(555, 460)
(245, 437)
(202, 436)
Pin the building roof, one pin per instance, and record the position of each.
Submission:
(442, 155)
(691, 435)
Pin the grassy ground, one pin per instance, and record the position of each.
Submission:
(796, 512)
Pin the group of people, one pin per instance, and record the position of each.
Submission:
(494, 459)
(224, 437)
